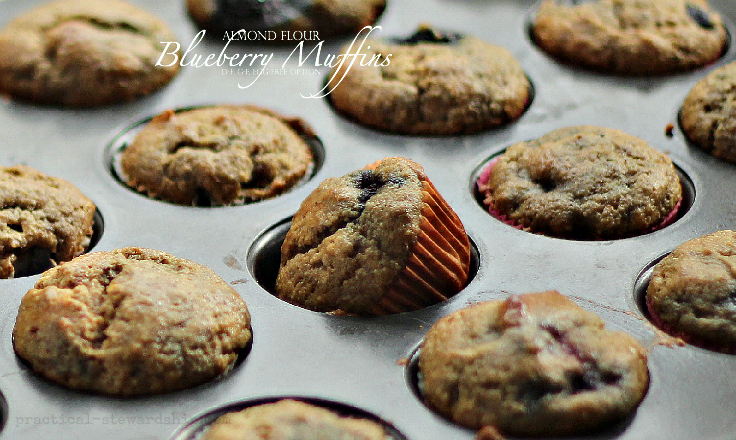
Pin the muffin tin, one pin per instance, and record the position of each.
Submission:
(366, 366)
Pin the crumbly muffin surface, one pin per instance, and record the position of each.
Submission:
(292, 420)
(351, 237)
(584, 183)
(708, 115)
(432, 84)
(326, 17)
(216, 156)
(532, 365)
(83, 53)
(40, 214)
(129, 322)
(692, 291)
(631, 37)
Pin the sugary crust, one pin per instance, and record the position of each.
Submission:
(430, 88)
(532, 365)
(631, 37)
(584, 183)
(327, 17)
(692, 292)
(132, 321)
(40, 212)
(352, 238)
(220, 155)
(292, 420)
(708, 115)
(83, 53)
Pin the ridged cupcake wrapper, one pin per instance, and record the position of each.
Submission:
(485, 176)
(439, 264)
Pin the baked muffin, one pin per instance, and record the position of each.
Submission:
(375, 241)
(132, 321)
(584, 183)
(43, 220)
(215, 156)
(84, 53)
(692, 292)
(325, 18)
(432, 83)
(631, 37)
(708, 115)
(292, 420)
(532, 365)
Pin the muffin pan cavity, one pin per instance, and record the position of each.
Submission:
(686, 183)
(196, 428)
(120, 142)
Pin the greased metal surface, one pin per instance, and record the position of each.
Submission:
(361, 364)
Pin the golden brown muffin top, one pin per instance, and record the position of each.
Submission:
(129, 322)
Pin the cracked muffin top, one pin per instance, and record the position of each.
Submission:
(431, 83)
(83, 53)
(692, 292)
(375, 241)
(325, 17)
(43, 220)
(708, 115)
(584, 183)
(216, 156)
(532, 365)
(132, 321)
(292, 420)
(631, 37)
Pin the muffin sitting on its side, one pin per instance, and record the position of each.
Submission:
(532, 365)
(376, 241)
(131, 322)
(631, 37)
(43, 220)
(692, 292)
(84, 53)
(431, 84)
(584, 183)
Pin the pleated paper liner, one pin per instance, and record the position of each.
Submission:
(439, 264)
(488, 202)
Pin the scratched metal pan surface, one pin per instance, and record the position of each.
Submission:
(364, 365)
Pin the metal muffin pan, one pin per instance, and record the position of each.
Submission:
(365, 365)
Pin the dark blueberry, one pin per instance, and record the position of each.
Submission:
(255, 15)
(427, 35)
(369, 182)
(700, 17)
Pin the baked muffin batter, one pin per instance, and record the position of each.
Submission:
(83, 53)
(584, 183)
(214, 156)
(532, 365)
(43, 220)
(374, 241)
(692, 292)
(292, 420)
(631, 37)
(130, 322)
(708, 115)
(432, 84)
(327, 18)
